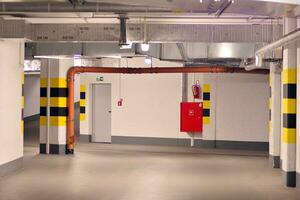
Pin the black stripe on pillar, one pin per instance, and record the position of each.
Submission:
(289, 91)
(270, 114)
(22, 89)
(43, 111)
(82, 109)
(82, 95)
(206, 96)
(58, 92)
(206, 112)
(58, 111)
(289, 120)
(43, 92)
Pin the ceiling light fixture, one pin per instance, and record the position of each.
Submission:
(148, 60)
(145, 47)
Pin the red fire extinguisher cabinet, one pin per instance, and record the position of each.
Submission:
(191, 117)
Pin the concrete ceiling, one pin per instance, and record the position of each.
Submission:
(193, 8)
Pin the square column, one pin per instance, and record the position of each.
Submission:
(298, 110)
(288, 131)
(275, 115)
(53, 106)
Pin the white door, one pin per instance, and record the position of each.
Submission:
(101, 113)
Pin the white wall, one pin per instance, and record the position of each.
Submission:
(242, 107)
(239, 104)
(11, 136)
(150, 101)
(32, 95)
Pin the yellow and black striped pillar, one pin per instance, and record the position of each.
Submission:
(58, 111)
(289, 124)
(206, 104)
(53, 124)
(289, 96)
(82, 102)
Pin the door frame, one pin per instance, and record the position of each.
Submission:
(93, 110)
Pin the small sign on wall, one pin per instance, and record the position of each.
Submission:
(99, 78)
(120, 102)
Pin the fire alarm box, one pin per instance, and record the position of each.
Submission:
(191, 117)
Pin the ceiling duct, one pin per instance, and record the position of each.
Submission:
(24, 7)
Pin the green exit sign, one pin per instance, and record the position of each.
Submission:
(99, 78)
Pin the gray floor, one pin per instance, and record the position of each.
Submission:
(128, 172)
(99, 171)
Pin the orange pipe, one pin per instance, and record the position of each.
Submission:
(75, 70)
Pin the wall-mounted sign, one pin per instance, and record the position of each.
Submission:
(99, 78)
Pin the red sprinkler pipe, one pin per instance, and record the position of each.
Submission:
(76, 70)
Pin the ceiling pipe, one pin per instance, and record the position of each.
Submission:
(77, 70)
(123, 34)
(285, 40)
(223, 7)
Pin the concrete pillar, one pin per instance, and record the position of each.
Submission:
(275, 115)
(11, 130)
(289, 82)
(298, 110)
(53, 110)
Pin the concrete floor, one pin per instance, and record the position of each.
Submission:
(121, 172)
(129, 172)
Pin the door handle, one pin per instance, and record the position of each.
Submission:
(109, 111)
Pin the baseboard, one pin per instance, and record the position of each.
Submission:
(236, 145)
(243, 145)
(32, 118)
(11, 166)
(298, 180)
(84, 138)
(274, 161)
(53, 149)
(289, 178)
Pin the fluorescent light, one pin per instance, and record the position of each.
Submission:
(32, 65)
(126, 46)
(77, 62)
(145, 47)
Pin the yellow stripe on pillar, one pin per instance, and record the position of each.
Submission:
(54, 120)
(43, 82)
(206, 104)
(58, 102)
(82, 116)
(58, 83)
(82, 102)
(289, 135)
(206, 88)
(289, 75)
(206, 120)
(289, 106)
(82, 88)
